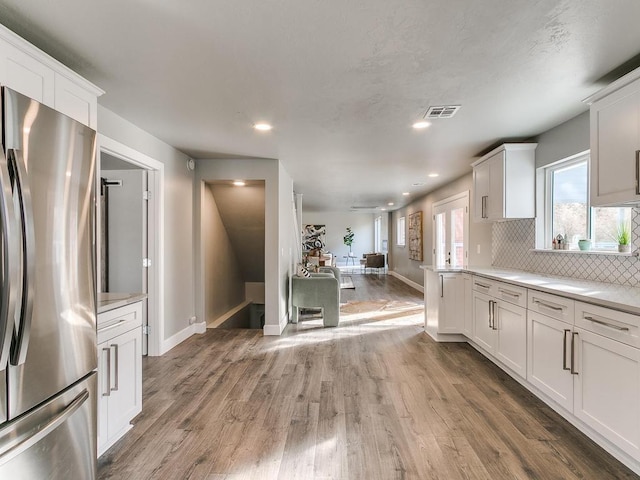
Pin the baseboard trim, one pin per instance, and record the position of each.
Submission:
(276, 329)
(179, 337)
(411, 283)
(226, 316)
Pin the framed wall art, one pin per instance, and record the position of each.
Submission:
(415, 236)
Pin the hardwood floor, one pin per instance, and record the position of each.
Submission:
(374, 398)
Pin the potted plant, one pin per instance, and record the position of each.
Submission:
(584, 244)
(624, 238)
(348, 239)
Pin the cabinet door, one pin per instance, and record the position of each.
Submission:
(483, 333)
(75, 101)
(607, 389)
(125, 401)
(615, 139)
(467, 328)
(495, 207)
(451, 305)
(548, 358)
(103, 396)
(511, 344)
(481, 175)
(26, 75)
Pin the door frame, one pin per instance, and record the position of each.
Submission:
(155, 232)
(459, 196)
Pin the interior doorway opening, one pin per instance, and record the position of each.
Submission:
(233, 233)
(129, 241)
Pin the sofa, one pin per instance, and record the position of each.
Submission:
(320, 290)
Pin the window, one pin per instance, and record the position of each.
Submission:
(568, 212)
(400, 233)
(377, 234)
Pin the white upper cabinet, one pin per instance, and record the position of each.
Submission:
(504, 183)
(26, 75)
(35, 74)
(615, 142)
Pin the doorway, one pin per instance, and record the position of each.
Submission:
(130, 241)
(451, 231)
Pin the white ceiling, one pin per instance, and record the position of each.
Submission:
(341, 81)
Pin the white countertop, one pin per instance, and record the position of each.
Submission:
(109, 301)
(620, 297)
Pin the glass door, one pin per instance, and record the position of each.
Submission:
(451, 231)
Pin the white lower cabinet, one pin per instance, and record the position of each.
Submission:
(607, 388)
(119, 374)
(500, 328)
(548, 360)
(467, 288)
(510, 324)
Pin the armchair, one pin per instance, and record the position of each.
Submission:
(373, 260)
(321, 290)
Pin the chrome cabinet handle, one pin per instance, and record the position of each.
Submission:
(484, 206)
(637, 172)
(19, 355)
(115, 367)
(108, 392)
(493, 315)
(508, 292)
(10, 256)
(483, 285)
(573, 351)
(552, 307)
(606, 324)
(564, 349)
(441, 286)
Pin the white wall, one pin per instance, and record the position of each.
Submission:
(224, 283)
(564, 140)
(277, 246)
(178, 295)
(337, 222)
(286, 237)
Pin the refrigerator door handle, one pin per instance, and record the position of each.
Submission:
(19, 354)
(26, 440)
(10, 255)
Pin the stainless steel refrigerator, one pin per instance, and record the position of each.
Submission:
(47, 310)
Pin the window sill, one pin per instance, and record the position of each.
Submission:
(583, 252)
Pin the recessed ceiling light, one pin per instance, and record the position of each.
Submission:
(263, 127)
(406, 194)
(421, 125)
(239, 183)
(390, 204)
(434, 175)
(383, 209)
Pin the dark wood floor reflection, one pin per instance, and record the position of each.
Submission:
(374, 398)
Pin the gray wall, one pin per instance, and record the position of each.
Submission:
(564, 140)
(125, 230)
(224, 283)
(337, 223)
(178, 217)
(479, 233)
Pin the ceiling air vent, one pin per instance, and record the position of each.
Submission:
(443, 111)
(358, 207)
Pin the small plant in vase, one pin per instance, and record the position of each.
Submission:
(348, 239)
(624, 238)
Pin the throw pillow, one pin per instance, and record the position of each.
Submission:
(302, 271)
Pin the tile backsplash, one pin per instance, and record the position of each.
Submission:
(513, 242)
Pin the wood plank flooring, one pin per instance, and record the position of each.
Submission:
(374, 398)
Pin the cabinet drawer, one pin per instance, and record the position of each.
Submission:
(620, 326)
(553, 306)
(118, 321)
(482, 285)
(510, 293)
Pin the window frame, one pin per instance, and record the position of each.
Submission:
(401, 240)
(544, 202)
